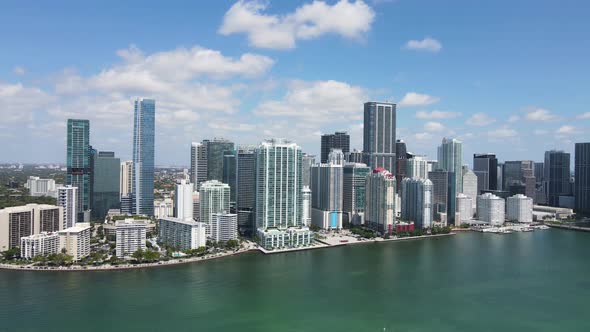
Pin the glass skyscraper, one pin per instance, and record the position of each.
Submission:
(379, 144)
(106, 184)
(582, 183)
(79, 162)
(557, 176)
(143, 156)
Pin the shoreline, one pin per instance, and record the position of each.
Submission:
(570, 227)
(180, 261)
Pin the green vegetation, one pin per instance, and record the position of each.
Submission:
(11, 254)
(199, 252)
(365, 232)
(141, 256)
(59, 259)
(314, 228)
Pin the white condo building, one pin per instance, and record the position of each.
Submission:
(125, 178)
(21, 221)
(67, 198)
(279, 195)
(520, 208)
(418, 167)
(183, 200)
(76, 240)
(42, 244)
(163, 208)
(327, 192)
(470, 186)
(380, 201)
(224, 227)
(491, 209)
(131, 236)
(306, 193)
(214, 198)
(416, 201)
(464, 209)
(182, 234)
(41, 187)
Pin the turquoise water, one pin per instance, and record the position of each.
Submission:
(469, 282)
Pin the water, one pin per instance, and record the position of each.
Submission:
(469, 282)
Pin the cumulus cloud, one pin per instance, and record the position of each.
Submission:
(584, 116)
(432, 126)
(19, 70)
(503, 132)
(427, 44)
(435, 115)
(539, 114)
(566, 130)
(513, 118)
(345, 18)
(423, 136)
(480, 120)
(18, 102)
(417, 99)
(317, 101)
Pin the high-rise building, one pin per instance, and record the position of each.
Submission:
(401, 164)
(79, 166)
(416, 202)
(450, 159)
(470, 182)
(464, 209)
(143, 156)
(491, 209)
(338, 140)
(518, 177)
(106, 184)
(41, 187)
(198, 171)
(279, 195)
(485, 167)
(354, 156)
(131, 236)
(214, 198)
(125, 177)
(418, 167)
(353, 188)
(441, 193)
(582, 183)
(20, 221)
(246, 189)
(182, 234)
(230, 173)
(183, 200)
(308, 161)
(557, 176)
(224, 227)
(380, 201)
(539, 172)
(519, 208)
(379, 138)
(306, 214)
(76, 240)
(327, 191)
(42, 244)
(163, 208)
(215, 151)
(67, 198)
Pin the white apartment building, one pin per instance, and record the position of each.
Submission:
(67, 198)
(131, 237)
(520, 208)
(41, 187)
(224, 227)
(76, 240)
(21, 221)
(125, 178)
(39, 245)
(183, 200)
(163, 208)
(182, 234)
(491, 209)
(464, 209)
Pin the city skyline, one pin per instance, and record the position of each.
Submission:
(243, 87)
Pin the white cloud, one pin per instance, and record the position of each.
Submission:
(432, 126)
(503, 132)
(435, 115)
(540, 132)
(317, 102)
(513, 118)
(19, 70)
(423, 136)
(480, 120)
(427, 44)
(566, 130)
(584, 116)
(19, 103)
(539, 114)
(348, 19)
(417, 99)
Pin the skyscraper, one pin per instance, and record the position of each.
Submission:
(353, 187)
(143, 156)
(485, 167)
(379, 135)
(380, 201)
(518, 177)
(183, 201)
(67, 198)
(557, 176)
(327, 192)
(582, 183)
(470, 181)
(106, 184)
(308, 161)
(491, 209)
(418, 167)
(416, 201)
(338, 140)
(79, 162)
(450, 159)
(214, 198)
(246, 189)
(198, 172)
(443, 202)
(125, 177)
(216, 149)
(402, 155)
(230, 175)
(519, 208)
(279, 201)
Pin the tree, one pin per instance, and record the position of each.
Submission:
(138, 255)
(232, 244)
(314, 228)
(11, 253)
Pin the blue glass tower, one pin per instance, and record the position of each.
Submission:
(79, 165)
(143, 156)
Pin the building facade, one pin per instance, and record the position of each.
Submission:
(125, 176)
(76, 240)
(380, 201)
(41, 187)
(582, 183)
(557, 176)
(354, 188)
(519, 208)
(379, 135)
(416, 202)
(106, 195)
(143, 156)
(183, 200)
(485, 167)
(21, 221)
(224, 227)
(79, 163)
(327, 192)
(41, 244)
(182, 234)
(450, 159)
(246, 189)
(131, 237)
(464, 208)
(470, 182)
(338, 140)
(198, 171)
(163, 208)
(491, 209)
(67, 198)
(214, 198)
(518, 177)
(418, 167)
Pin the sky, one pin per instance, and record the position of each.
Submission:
(508, 77)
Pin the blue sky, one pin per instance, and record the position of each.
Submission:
(509, 77)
